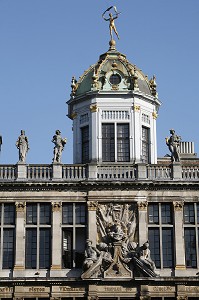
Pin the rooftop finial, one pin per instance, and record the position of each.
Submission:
(112, 17)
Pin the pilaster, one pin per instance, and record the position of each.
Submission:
(143, 225)
(179, 240)
(56, 236)
(92, 225)
(20, 241)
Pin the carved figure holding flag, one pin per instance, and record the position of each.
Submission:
(111, 19)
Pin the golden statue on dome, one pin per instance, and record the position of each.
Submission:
(111, 19)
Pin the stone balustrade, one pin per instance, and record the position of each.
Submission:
(111, 172)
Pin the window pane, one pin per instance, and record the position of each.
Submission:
(31, 248)
(154, 242)
(153, 213)
(85, 144)
(67, 211)
(108, 142)
(45, 214)
(167, 247)
(123, 142)
(44, 248)
(166, 213)
(80, 214)
(31, 214)
(145, 144)
(8, 248)
(190, 247)
(67, 248)
(189, 214)
(9, 214)
(80, 247)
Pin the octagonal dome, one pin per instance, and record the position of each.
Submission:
(113, 72)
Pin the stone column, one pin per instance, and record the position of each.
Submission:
(92, 225)
(20, 238)
(56, 236)
(137, 134)
(179, 240)
(143, 224)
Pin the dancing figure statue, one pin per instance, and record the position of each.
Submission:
(173, 143)
(111, 19)
(22, 145)
(59, 146)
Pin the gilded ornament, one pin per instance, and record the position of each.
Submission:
(73, 115)
(74, 86)
(136, 108)
(93, 108)
(155, 115)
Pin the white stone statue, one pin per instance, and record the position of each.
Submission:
(22, 145)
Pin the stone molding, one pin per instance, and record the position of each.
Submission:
(20, 206)
(182, 298)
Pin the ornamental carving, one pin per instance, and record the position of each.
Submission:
(145, 297)
(20, 206)
(56, 206)
(155, 115)
(117, 254)
(92, 205)
(178, 205)
(142, 205)
(92, 298)
(182, 298)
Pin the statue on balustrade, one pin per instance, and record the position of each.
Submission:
(117, 253)
(173, 143)
(59, 146)
(23, 146)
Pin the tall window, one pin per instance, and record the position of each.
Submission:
(115, 145)
(145, 144)
(85, 144)
(38, 236)
(160, 230)
(191, 234)
(73, 234)
(7, 235)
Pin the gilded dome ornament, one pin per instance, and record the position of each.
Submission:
(112, 17)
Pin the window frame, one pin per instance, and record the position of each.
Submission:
(161, 227)
(39, 227)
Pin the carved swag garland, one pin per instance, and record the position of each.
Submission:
(117, 253)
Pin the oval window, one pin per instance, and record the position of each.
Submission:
(115, 79)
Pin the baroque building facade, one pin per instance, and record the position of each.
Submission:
(119, 223)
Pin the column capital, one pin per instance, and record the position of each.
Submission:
(178, 205)
(20, 206)
(56, 206)
(143, 205)
(92, 205)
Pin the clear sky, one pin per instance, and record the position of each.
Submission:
(43, 43)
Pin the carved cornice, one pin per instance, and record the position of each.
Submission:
(56, 206)
(143, 205)
(92, 205)
(20, 206)
(178, 205)
(92, 298)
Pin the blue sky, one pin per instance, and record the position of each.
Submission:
(43, 43)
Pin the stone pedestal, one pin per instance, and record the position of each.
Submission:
(141, 171)
(176, 171)
(57, 171)
(21, 171)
